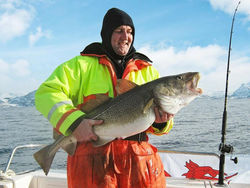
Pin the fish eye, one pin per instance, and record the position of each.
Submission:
(179, 77)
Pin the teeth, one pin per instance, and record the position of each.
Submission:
(194, 82)
(123, 43)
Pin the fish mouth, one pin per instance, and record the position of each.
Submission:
(193, 84)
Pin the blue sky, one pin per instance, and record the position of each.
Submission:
(179, 36)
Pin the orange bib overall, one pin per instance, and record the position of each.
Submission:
(120, 164)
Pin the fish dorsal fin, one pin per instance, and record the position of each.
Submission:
(148, 106)
(94, 103)
(124, 85)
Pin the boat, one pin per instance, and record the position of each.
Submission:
(182, 170)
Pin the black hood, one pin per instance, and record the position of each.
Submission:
(113, 19)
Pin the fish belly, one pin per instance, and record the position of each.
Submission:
(117, 129)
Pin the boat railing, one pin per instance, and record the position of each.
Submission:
(14, 151)
(189, 152)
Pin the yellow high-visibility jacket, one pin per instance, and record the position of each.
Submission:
(72, 83)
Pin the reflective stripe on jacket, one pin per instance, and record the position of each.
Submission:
(60, 97)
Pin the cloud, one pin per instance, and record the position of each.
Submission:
(229, 6)
(14, 21)
(4, 67)
(189, 59)
(33, 38)
(15, 77)
(210, 61)
(20, 68)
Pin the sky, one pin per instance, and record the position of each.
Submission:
(179, 36)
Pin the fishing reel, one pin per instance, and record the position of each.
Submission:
(224, 148)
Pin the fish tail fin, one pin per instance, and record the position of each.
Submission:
(45, 158)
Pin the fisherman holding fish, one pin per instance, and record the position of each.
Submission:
(67, 97)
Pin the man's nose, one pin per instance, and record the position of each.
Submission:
(124, 35)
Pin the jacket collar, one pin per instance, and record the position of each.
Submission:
(96, 49)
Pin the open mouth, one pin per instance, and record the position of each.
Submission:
(123, 44)
(194, 84)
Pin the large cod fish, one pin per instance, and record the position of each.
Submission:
(129, 113)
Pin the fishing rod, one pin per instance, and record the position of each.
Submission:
(223, 147)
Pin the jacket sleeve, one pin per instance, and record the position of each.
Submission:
(55, 97)
(161, 128)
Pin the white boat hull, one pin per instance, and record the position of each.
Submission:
(176, 166)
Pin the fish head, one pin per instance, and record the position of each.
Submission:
(174, 92)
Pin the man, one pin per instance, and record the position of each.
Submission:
(131, 162)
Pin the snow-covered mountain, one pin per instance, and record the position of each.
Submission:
(215, 95)
(26, 100)
(243, 91)
(5, 97)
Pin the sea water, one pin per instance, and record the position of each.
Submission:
(197, 128)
